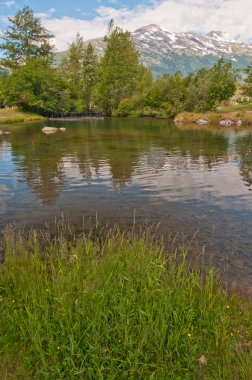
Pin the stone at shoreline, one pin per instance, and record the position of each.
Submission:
(239, 123)
(226, 122)
(179, 119)
(49, 130)
(62, 129)
(202, 121)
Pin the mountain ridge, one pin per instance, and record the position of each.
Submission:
(168, 52)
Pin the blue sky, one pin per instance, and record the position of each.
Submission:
(74, 8)
(67, 17)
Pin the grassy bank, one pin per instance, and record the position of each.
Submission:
(115, 308)
(14, 115)
(237, 115)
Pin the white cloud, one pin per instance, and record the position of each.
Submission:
(230, 16)
(9, 3)
(45, 15)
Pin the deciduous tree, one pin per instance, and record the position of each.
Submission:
(119, 70)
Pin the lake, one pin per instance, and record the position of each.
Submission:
(195, 182)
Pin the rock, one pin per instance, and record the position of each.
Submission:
(239, 123)
(62, 129)
(49, 130)
(245, 346)
(179, 119)
(4, 132)
(202, 121)
(202, 360)
(226, 122)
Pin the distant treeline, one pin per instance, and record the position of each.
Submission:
(118, 84)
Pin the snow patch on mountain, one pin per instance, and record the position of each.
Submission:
(164, 51)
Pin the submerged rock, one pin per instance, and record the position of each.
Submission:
(62, 129)
(226, 122)
(4, 132)
(49, 130)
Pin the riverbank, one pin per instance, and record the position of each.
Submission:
(15, 115)
(232, 116)
(115, 306)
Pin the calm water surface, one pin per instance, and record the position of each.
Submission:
(189, 180)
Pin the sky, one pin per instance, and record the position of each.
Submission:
(64, 18)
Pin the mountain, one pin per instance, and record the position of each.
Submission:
(166, 52)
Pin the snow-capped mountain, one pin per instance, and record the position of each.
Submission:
(166, 52)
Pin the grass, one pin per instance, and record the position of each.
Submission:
(14, 115)
(236, 108)
(215, 117)
(114, 307)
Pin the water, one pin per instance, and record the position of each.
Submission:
(195, 182)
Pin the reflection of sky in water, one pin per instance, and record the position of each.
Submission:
(8, 182)
(187, 180)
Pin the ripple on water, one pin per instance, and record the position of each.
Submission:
(189, 180)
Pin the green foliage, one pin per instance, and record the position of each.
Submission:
(127, 106)
(164, 97)
(119, 71)
(90, 72)
(247, 87)
(79, 67)
(172, 94)
(72, 64)
(119, 85)
(168, 89)
(209, 87)
(115, 308)
(25, 39)
(37, 87)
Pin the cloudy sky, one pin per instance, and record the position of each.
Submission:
(90, 17)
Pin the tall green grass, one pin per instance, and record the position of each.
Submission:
(15, 115)
(115, 306)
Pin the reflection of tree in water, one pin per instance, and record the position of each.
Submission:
(39, 164)
(244, 149)
(47, 162)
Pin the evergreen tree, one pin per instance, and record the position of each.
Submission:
(118, 71)
(25, 39)
(79, 67)
(90, 65)
(72, 64)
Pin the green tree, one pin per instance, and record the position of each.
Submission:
(118, 71)
(25, 39)
(90, 67)
(72, 64)
(168, 89)
(211, 86)
(37, 87)
(79, 67)
(247, 86)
